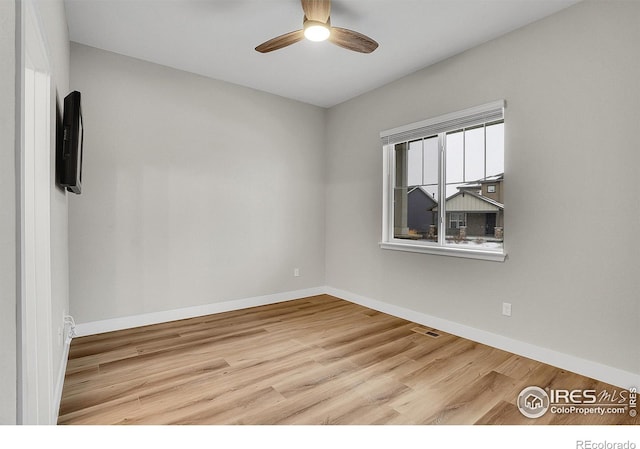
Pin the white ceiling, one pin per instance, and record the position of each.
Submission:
(216, 38)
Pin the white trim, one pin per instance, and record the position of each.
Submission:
(127, 322)
(388, 162)
(424, 128)
(415, 247)
(604, 373)
(37, 382)
(60, 380)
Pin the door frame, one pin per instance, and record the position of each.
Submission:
(36, 386)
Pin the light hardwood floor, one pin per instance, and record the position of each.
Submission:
(317, 360)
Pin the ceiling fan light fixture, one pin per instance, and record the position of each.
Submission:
(317, 27)
(316, 31)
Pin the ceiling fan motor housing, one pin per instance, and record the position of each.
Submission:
(316, 31)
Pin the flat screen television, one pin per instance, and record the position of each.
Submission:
(69, 151)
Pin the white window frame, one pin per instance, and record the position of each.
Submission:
(486, 113)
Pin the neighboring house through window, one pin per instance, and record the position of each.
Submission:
(444, 182)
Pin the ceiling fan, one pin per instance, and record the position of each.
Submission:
(317, 27)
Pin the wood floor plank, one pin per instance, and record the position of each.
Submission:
(517, 367)
(316, 360)
(105, 413)
(108, 388)
(472, 403)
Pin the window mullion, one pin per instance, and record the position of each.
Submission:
(391, 176)
(464, 155)
(442, 188)
(484, 149)
(422, 162)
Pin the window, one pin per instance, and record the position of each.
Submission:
(457, 220)
(444, 185)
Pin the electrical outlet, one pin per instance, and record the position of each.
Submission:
(506, 308)
(296, 272)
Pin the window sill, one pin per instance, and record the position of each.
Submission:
(493, 256)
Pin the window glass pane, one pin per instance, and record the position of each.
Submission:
(430, 161)
(455, 160)
(400, 169)
(400, 190)
(495, 149)
(474, 154)
(414, 175)
(431, 190)
(474, 210)
(415, 214)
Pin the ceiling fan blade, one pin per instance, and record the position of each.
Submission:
(318, 10)
(281, 41)
(352, 40)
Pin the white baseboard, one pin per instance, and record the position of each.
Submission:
(127, 322)
(598, 371)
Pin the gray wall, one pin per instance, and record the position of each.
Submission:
(8, 240)
(195, 191)
(573, 108)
